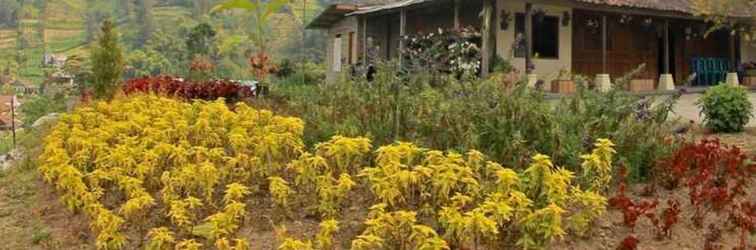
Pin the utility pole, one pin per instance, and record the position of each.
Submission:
(13, 119)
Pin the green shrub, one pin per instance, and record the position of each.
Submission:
(41, 105)
(442, 112)
(726, 108)
(307, 73)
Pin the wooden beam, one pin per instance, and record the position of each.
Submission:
(402, 33)
(666, 46)
(528, 38)
(627, 10)
(364, 41)
(733, 51)
(603, 44)
(486, 31)
(457, 23)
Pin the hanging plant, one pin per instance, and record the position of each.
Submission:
(647, 24)
(626, 19)
(593, 25)
(506, 19)
(566, 18)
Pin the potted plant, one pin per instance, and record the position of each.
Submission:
(641, 85)
(749, 78)
(563, 84)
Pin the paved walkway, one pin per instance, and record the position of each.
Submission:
(687, 109)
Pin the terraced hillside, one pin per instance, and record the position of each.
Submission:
(64, 34)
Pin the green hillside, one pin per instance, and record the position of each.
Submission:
(66, 31)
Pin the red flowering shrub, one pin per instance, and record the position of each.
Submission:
(717, 177)
(185, 89)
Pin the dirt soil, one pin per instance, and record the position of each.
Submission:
(32, 217)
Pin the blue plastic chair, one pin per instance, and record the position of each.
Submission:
(724, 68)
(699, 67)
(714, 71)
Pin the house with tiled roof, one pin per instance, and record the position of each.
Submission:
(6, 112)
(602, 38)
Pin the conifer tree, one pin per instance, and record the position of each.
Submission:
(107, 62)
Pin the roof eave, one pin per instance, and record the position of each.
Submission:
(331, 15)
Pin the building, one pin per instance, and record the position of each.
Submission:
(5, 112)
(586, 37)
(52, 60)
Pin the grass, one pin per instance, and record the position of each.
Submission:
(30, 215)
(6, 142)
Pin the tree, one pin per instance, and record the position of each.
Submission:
(107, 63)
(261, 12)
(145, 63)
(164, 43)
(739, 15)
(200, 39)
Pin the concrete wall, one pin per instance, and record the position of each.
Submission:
(747, 51)
(384, 34)
(343, 28)
(546, 69)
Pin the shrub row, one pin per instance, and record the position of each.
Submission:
(188, 89)
(501, 121)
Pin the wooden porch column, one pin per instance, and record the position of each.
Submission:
(666, 46)
(733, 53)
(402, 33)
(603, 80)
(666, 79)
(457, 23)
(364, 41)
(732, 75)
(528, 38)
(486, 32)
(603, 44)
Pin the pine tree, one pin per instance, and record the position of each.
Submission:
(107, 62)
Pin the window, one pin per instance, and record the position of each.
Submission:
(545, 36)
(337, 53)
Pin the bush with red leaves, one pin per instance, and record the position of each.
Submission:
(717, 177)
(185, 89)
(629, 243)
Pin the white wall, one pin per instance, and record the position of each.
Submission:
(343, 28)
(747, 51)
(546, 69)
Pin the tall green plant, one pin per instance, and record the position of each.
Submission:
(107, 62)
(261, 12)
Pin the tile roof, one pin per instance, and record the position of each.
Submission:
(679, 6)
(666, 5)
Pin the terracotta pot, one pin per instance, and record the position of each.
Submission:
(563, 86)
(749, 82)
(641, 85)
